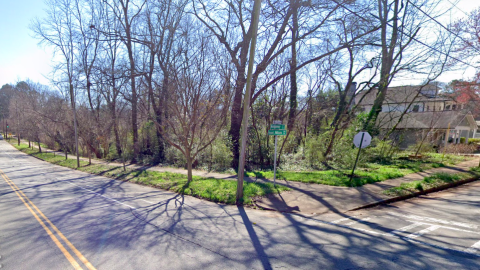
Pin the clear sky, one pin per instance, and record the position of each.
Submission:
(21, 58)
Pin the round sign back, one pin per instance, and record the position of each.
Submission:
(362, 138)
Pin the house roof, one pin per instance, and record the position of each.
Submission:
(403, 94)
(426, 120)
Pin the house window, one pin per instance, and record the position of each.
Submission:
(416, 108)
(447, 108)
(454, 107)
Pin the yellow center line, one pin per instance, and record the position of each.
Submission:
(57, 242)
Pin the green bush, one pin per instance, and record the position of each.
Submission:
(422, 148)
(315, 146)
(294, 161)
(381, 151)
(462, 140)
(174, 157)
(474, 141)
(220, 155)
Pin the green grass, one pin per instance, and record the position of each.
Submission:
(435, 180)
(371, 173)
(216, 190)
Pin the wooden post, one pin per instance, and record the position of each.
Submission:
(246, 103)
(446, 140)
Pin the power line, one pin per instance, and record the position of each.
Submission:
(411, 37)
(455, 5)
(444, 27)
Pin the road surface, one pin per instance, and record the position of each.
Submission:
(52, 217)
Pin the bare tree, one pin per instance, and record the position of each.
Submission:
(57, 29)
(198, 100)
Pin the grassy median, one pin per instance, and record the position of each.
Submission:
(370, 173)
(433, 181)
(216, 190)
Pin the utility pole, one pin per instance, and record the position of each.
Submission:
(18, 123)
(72, 96)
(246, 102)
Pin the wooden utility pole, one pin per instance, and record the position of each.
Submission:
(246, 102)
(72, 97)
(446, 141)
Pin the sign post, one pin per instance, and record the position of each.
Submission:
(276, 129)
(361, 140)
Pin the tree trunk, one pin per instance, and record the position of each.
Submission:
(293, 66)
(89, 155)
(236, 118)
(123, 161)
(237, 110)
(189, 168)
(118, 144)
(39, 147)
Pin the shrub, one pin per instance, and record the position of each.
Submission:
(314, 151)
(173, 156)
(294, 161)
(462, 140)
(474, 141)
(422, 148)
(221, 155)
(381, 150)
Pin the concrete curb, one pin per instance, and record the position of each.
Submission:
(417, 194)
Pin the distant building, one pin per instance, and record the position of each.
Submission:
(435, 126)
(422, 99)
(422, 111)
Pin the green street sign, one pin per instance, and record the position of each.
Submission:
(280, 132)
(277, 126)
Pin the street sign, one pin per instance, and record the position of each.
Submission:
(277, 126)
(277, 132)
(357, 140)
(361, 140)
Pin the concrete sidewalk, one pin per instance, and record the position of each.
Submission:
(319, 199)
(312, 198)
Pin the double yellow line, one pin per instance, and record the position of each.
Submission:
(39, 215)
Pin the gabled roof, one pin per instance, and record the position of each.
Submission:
(426, 120)
(404, 94)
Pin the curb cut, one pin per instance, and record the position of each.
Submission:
(417, 194)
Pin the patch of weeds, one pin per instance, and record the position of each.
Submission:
(370, 173)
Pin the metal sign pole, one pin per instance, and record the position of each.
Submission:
(275, 163)
(356, 160)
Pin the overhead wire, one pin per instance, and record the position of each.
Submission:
(406, 34)
(455, 5)
(443, 26)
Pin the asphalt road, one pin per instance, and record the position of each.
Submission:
(56, 218)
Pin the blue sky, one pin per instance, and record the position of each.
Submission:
(21, 58)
